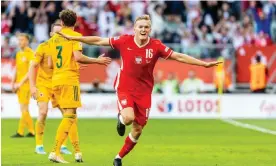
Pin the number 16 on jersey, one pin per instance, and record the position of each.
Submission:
(149, 53)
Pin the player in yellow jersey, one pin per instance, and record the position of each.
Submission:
(65, 56)
(41, 90)
(20, 85)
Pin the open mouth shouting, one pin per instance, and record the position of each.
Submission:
(143, 34)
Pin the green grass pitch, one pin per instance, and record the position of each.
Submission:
(163, 143)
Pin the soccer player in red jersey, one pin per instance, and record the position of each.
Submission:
(134, 81)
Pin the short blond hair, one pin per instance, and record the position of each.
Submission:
(56, 23)
(24, 35)
(143, 17)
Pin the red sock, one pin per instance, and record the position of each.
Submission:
(128, 146)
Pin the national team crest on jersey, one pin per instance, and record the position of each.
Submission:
(124, 102)
(138, 60)
(23, 59)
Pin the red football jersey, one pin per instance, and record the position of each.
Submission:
(137, 64)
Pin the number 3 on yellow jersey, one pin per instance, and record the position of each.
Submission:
(59, 57)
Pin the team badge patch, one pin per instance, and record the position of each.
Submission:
(24, 59)
(138, 60)
(124, 102)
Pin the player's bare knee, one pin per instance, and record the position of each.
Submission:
(24, 107)
(128, 115)
(128, 119)
(23, 110)
(42, 115)
(43, 110)
(43, 107)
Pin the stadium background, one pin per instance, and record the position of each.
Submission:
(231, 30)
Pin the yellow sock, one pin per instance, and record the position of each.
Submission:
(65, 141)
(63, 130)
(21, 125)
(39, 130)
(74, 137)
(29, 121)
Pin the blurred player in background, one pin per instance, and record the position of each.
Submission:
(221, 78)
(20, 85)
(134, 82)
(41, 90)
(258, 75)
(65, 56)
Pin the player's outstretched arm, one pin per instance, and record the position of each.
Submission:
(91, 40)
(79, 57)
(192, 61)
(32, 78)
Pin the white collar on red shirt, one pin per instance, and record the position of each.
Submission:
(143, 44)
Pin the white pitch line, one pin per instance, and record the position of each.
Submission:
(249, 126)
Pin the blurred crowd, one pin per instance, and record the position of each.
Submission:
(201, 29)
(170, 84)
